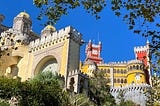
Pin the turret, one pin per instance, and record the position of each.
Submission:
(48, 30)
(143, 53)
(135, 73)
(22, 22)
(93, 52)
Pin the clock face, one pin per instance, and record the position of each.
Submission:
(94, 52)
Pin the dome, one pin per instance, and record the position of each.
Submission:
(22, 14)
(50, 27)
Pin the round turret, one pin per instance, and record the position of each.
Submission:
(135, 72)
(23, 14)
(48, 30)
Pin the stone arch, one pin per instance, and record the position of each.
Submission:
(48, 63)
(71, 84)
(12, 71)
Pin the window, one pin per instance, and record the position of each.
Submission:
(118, 80)
(125, 80)
(114, 80)
(117, 70)
(137, 67)
(121, 80)
(121, 71)
(108, 70)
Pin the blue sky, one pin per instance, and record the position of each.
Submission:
(117, 41)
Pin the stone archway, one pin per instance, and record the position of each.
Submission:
(48, 63)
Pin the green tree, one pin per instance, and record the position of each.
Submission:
(154, 97)
(99, 91)
(43, 90)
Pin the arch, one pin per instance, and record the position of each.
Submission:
(71, 84)
(137, 67)
(131, 68)
(121, 80)
(121, 71)
(118, 80)
(48, 63)
(108, 71)
(117, 70)
(114, 70)
(125, 80)
(134, 67)
(12, 71)
(115, 81)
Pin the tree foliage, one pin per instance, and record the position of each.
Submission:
(43, 90)
(99, 91)
(54, 9)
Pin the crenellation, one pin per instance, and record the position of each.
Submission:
(135, 62)
(140, 49)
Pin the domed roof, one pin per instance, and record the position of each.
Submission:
(22, 14)
(50, 27)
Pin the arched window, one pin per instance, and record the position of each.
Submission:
(131, 68)
(108, 70)
(118, 80)
(121, 71)
(114, 70)
(125, 80)
(137, 67)
(125, 71)
(115, 81)
(118, 71)
(71, 84)
(121, 80)
(134, 67)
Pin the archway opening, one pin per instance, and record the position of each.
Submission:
(48, 63)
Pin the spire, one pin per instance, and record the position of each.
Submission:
(147, 42)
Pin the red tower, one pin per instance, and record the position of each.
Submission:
(143, 53)
(93, 52)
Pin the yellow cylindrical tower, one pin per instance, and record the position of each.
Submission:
(135, 72)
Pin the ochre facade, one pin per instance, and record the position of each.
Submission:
(135, 71)
(24, 54)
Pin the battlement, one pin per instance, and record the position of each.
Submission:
(131, 87)
(77, 72)
(135, 62)
(55, 37)
(140, 49)
(119, 63)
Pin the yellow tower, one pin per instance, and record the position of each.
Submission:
(135, 72)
